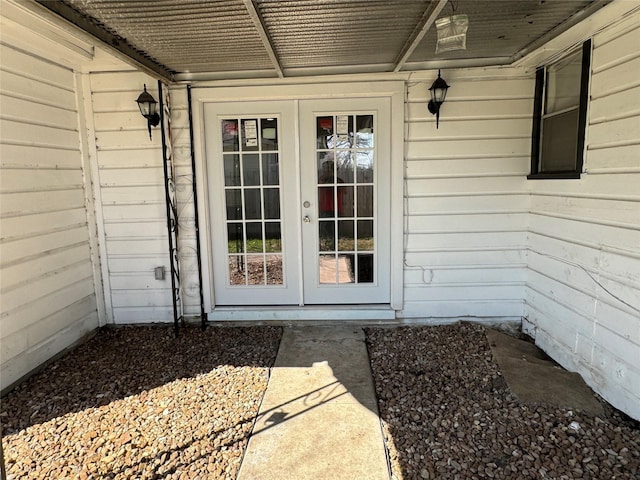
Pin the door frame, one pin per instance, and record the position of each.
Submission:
(217, 94)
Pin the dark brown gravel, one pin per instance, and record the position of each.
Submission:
(139, 403)
(448, 414)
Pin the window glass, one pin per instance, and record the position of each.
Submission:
(559, 138)
(560, 116)
(563, 84)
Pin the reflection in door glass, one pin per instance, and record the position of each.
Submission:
(255, 270)
(274, 269)
(345, 166)
(237, 275)
(231, 170)
(252, 197)
(251, 169)
(230, 135)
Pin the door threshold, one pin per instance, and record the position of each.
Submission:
(321, 314)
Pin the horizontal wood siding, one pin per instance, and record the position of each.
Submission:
(466, 207)
(132, 196)
(46, 276)
(583, 284)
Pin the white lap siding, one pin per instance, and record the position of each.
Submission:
(46, 275)
(583, 295)
(465, 200)
(131, 191)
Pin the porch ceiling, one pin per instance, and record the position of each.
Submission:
(200, 39)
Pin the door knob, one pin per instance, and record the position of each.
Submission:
(306, 219)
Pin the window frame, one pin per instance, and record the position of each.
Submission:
(539, 105)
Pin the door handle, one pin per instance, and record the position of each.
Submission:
(306, 219)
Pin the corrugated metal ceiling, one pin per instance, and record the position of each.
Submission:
(185, 39)
(501, 28)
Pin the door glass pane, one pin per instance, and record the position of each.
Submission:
(237, 275)
(327, 235)
(254, 245)
(345, 201)
(327, 268)
(250, 135)
(344, 166)
(251, 169)
(273, 237)
(252, 203)
(255, 270)
(269, 129)
(365, 268)
(271, 203)
(324, 131)
(235, 240)
(346, 238)
(231, 170)
(326, 202)
(270, 174)
(326, 168)
(364, 131)
(365, 235)
(254, 237)
(365, 201)
(234, 204)
(364, 166)
(230, 135)
(274, 269)
(345, 163)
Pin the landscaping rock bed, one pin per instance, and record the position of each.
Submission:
(447, 414)
(139, 403)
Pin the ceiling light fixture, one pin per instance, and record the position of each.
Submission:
(147, 105)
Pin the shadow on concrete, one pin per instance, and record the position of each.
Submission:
(319, 416)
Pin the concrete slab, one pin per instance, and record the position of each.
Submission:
(534, 378)
(319, 417)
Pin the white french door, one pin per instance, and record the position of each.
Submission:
(251, 164)
(345, 182)
(299, 201)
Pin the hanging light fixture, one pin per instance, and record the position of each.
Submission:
(438, 92)
(147, 105)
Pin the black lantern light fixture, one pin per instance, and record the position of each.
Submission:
(438, 92)
(147, 105)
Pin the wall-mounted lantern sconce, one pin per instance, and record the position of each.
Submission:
(147, 105)
(438, 92)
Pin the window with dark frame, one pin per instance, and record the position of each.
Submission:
(560, 116)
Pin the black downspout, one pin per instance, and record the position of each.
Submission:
(203, 317)
(170, 222)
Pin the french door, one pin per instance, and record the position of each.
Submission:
(299, 201)
(344, 165)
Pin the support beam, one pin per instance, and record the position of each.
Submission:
(428, 18)
(264, 36)
(113, 41)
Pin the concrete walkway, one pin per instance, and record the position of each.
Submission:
(319, 416)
